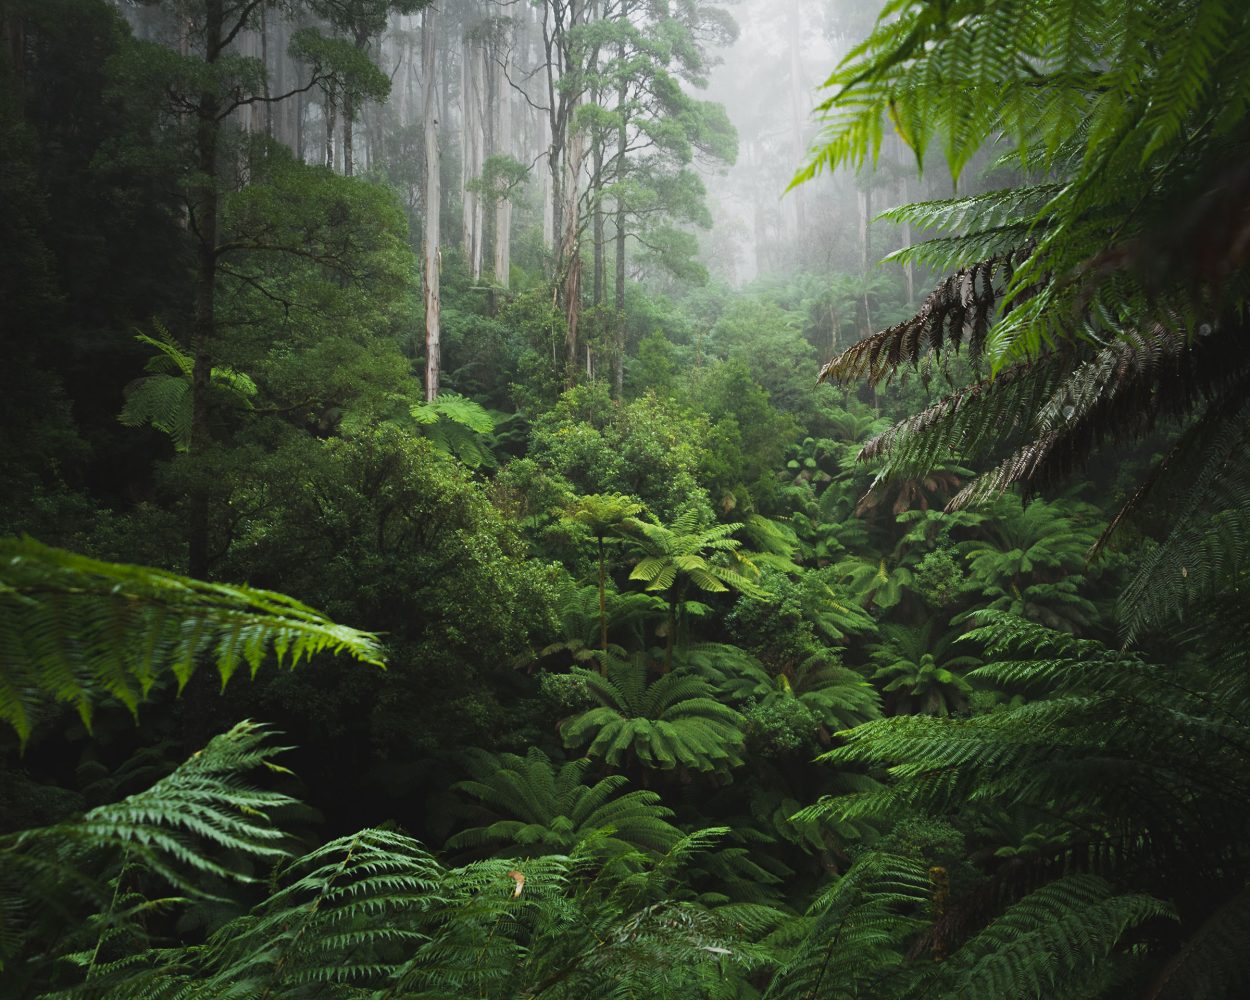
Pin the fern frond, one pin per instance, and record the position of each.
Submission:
(168, 828)
(74, 630)
(1050, 941)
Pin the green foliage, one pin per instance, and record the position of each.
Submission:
(686, 555)
(580, 631)
(748, 434)
(649, 448)
(163, 398)
(1103, 736)
(201, 824)
(1031, 562)
(1060, 939)
(500, 177)
(77, 629)
(873, 583)
(1201, 559)
(795, 708)
(919, 674)
(1062, 819)
(853, 937)
(342, 66)
(373, 910)
(457, 426)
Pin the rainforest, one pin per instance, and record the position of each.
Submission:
(667, 499)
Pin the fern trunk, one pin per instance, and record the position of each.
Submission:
(603, 610)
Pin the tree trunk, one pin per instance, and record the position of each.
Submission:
(503, 207)
(482, 139)
(570, 253)
(331, 116)
(429, 58)
(349, 157)
(468, 148)
(264, 59)
(603, 609)
(207, 131)
(598, 225)
(622, 144)
(549, 207)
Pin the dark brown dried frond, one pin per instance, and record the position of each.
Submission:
(1119, 394)
(973, 416)
(962, 306)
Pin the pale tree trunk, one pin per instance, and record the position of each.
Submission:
(503, 207)
(560, 103)
(473, 141)
(485, 143)
(622, 144)
(432, 202)
(598, 140)
(264, 59)
(570, 250)
(600, 238)
(549, 206)
(468, 147)
(410, 83)
(331, 116)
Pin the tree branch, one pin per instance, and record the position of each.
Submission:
(240, 102)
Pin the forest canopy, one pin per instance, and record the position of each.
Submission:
(617, 498)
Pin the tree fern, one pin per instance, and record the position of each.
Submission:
(836, 696)
(671, 720)
(1139, 771)
(532, 805)
(685, 555)
(376, 913)
(1203, 556)
(163, 398)
(458, 426)
(1105, 299)
(921, 672)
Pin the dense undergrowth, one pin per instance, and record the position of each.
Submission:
(694, 688)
